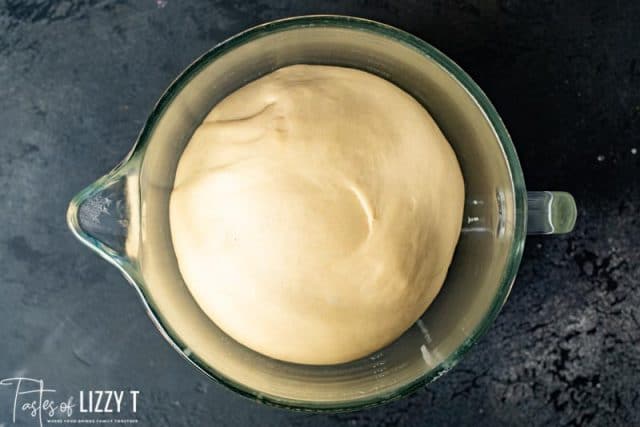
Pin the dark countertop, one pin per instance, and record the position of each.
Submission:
(77, 79)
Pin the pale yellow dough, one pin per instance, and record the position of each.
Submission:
(315, 213)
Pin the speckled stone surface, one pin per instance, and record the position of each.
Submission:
(77, 79)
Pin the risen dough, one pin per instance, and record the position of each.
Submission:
(315, 213)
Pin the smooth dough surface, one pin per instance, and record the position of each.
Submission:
(315, 213)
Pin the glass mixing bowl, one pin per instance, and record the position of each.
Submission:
(124, 215)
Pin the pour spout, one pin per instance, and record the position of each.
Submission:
(104, 215)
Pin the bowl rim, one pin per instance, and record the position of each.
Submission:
(353, 23)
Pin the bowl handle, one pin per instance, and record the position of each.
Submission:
(550, 212)
(105, 215)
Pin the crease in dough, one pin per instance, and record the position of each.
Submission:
(364, 204)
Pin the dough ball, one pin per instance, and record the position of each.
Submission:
(315, 213)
